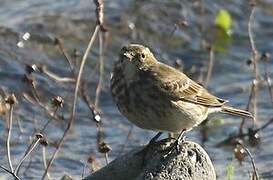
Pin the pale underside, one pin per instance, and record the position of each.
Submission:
(180, 115)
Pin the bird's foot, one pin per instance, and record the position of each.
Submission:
(176, 145)
(154, 139)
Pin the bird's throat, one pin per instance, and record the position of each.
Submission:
(129, 72)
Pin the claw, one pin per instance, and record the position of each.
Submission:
(176, 145)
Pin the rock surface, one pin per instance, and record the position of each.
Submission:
(190, 163)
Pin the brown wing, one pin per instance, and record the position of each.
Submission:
(178, 86)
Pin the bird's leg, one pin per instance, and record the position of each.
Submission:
(170, 136)
(153, 140)
(180, 139)
(176, 144)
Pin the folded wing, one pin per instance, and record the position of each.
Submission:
(178, 86)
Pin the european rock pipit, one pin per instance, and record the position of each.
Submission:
(155, 96)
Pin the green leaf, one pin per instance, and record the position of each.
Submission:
(223, 20)
(221, 39)
(230, 171)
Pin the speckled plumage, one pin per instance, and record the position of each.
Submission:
(156, 96)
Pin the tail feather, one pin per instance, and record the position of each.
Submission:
(236, 112)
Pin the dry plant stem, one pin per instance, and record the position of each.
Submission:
(28, 148)
(210, 66)
(89, 103)
(126, 140)
(72, 117)
(247, 108)
(19, 125)
(254, 54)
(252, 161)
(264, 126)
(268, 81)
(255, 92)
(44, 160)
(25, 173)
(36, 95)
(100, 142)
(83, 170)
(49, 112)
(251, 39)
(48, 121)
(8, 171)
(8, 138)
(57, 78)
(255, 61)
(101, 69)
(242, 135)
(99, 13)
(64, 52)
(16, 171)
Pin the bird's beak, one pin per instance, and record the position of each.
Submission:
(128, 55)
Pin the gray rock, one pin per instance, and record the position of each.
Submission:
(190, 163)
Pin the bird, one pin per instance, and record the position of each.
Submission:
(158, 97)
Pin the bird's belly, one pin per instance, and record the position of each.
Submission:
(159, 113)
(149, 109)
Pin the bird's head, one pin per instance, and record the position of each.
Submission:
(138, 56)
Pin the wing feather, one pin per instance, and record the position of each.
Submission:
(178, 86)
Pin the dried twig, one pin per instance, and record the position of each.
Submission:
(72, 117)
(269, 83)
(99, 26)
(31, 84)
(8, 138)
(242, 135)
(44, 160)
(247, 107)
(265, 59)
(100, 14)
(38, 138)
(126, 140)
(254, 59)
(49, 120)
(57, 102)
(55, 77)
(101, 69)
(210, 66)
(8, 171)
(28, 166)
(83, 170)
(11, 100)
(103, 147)
(93, 109)
(264, 126)
(255, 171)
(59, 43)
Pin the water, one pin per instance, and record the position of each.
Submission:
(147, 22)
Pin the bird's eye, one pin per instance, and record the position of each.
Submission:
(142, 55)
